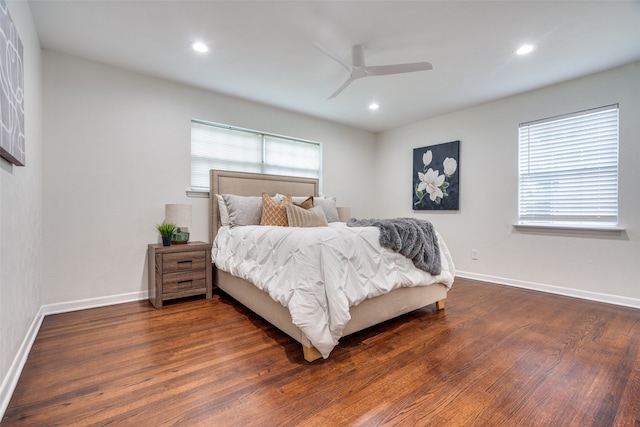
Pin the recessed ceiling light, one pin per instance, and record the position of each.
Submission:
(525, 48)
(373, 106)
(200, 47)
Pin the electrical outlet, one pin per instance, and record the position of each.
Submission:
(474, 254)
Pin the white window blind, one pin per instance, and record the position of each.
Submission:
(215, 146)
(568, 169)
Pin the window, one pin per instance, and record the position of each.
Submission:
(215, 146)
(568, 170)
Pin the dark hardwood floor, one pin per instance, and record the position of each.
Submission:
(496, 356)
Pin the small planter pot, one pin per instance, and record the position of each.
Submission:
(166, 240)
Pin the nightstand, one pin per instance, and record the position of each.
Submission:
(178, 271)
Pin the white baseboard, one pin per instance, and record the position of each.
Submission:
(64, 307)
(558, 290)
(13, 374)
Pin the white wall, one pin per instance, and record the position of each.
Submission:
(583, 264)
(117, 148)
(21, 213)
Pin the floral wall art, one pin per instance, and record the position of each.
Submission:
(436, 177)
(12, 141)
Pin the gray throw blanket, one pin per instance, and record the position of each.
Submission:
(414, 238)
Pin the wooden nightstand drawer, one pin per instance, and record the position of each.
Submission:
(183, 261)
(174, 282)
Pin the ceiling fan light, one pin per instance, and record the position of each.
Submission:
(200, 47)
(525, 49)
(374, 106)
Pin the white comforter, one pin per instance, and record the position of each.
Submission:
(318, 273)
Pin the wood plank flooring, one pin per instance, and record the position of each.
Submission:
(496, 356)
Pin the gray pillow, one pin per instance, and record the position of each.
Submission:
(243, 210)
(328, 205)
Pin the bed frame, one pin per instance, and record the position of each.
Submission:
(368, 313)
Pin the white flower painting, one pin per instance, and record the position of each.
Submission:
(436, 177)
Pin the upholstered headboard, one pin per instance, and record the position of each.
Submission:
(253, 184)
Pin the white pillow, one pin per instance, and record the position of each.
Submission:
(224, 212)
(296, 199)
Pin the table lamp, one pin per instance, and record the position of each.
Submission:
(180, 216)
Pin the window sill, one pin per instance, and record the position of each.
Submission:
(200, 194)
(563, 227)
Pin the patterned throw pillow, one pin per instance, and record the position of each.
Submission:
(274, 213)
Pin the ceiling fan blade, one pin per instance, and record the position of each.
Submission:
(382, 70)
(341, 88)
(333, 56)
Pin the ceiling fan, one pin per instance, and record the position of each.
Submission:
(358, 69)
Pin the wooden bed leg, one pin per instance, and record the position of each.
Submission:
(440, 304)
(310, 353)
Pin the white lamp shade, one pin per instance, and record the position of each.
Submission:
(180, 215)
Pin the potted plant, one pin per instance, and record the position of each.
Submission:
(166, 229)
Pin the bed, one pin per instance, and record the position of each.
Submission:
(367, 313)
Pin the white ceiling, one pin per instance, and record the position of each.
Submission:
(263, 50)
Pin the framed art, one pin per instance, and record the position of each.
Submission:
(12, 140)
(436, 177)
